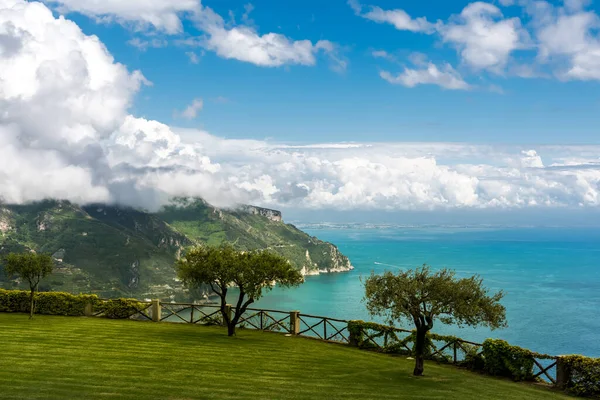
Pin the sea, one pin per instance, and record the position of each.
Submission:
(551, 277)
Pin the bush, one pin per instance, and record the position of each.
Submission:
(59, 303)
(584, 375)
(120, 308)
(473, 358)
(48, 303)
(502, 359)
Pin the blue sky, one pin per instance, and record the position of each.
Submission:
(315, 104)
(432, 109)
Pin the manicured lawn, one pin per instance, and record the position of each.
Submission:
(93, 358)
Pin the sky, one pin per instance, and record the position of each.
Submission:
(356, 108)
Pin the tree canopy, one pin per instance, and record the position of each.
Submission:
(421, 296)
(30, 267)
(223, 267)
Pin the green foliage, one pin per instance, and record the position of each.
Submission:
(58, 303)
(420, 295)
(252, 272)
(584, 375)
(473, 357)
(120, 308)
(30, 267)
(503, 359)
(49, 303)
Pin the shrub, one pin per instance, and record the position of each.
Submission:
(49, 303)
(59, 303)
(473, 358)
(584, 375)
(502, 359)
(120, 308)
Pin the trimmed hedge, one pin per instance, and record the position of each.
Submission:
(59, 303)
(48, 303)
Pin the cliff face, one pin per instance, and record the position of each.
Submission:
(115, 251)
(272, 215)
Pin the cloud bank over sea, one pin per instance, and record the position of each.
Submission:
(66, 132)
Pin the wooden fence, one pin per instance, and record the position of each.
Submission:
(377, 337)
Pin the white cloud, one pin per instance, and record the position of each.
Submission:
(398, 18)
(484, 37)
(380, 54)
(163, 15)
(446, 77)
(193, 109)
(241, 42)
(194, 59)
(65, 132)
(244, 43)
(143, 45)
(571, 35)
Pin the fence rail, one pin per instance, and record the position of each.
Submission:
(371, 336)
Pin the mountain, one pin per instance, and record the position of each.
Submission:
(115, 251)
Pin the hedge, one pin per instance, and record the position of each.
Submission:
(583, 375)
(502, 359)
(59, 303)
(497, 357)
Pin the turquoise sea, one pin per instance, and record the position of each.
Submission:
(551, 277)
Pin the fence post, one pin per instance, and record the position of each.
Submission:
(352, 339)
(295, 322)
(562, 373)
(228, 313)
(455, 345)
(156, 310)
(88, 310)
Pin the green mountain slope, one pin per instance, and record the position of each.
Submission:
(124, 252)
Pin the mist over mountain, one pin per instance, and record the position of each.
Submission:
(120, 251)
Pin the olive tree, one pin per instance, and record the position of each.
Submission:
(421, 296)
(223, 267)
(30, 267)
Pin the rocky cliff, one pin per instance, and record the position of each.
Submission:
(116, 251)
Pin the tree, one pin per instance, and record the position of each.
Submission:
(421, 296)
(223, 267)
(30, 267)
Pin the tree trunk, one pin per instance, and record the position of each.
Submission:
(419, 352)
(231, 328)
(32, 303)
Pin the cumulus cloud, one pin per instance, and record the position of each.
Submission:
(569, 34)
(240, 42)
(483, 36)
(400, 19)
(244, 43)
(566, 37)
(65, 132)
(446, 77)
(163, 15)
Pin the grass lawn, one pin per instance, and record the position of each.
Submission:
(94, 358)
